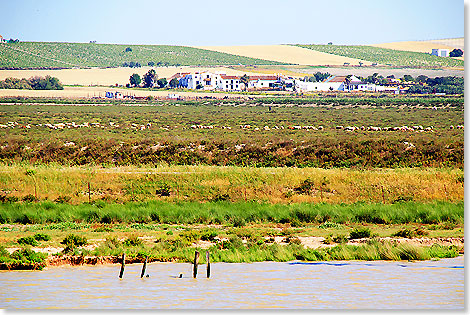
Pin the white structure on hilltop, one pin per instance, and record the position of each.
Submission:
(440, 52)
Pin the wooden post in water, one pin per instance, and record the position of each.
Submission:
(123, 264)
(208, 269)
(144, 267)
(196, 262)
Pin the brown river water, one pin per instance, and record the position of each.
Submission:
(293, 285)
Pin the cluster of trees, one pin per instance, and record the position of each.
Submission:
(317, 77)
(456, 53)
(13, 41)
(448, 85)
(150, 79)
(132, 64)
(33, 83)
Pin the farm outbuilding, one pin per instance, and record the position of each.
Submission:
(440, 52)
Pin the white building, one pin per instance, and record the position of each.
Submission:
(262, 82)
(440, 52)
(338, 83)
(229, 83)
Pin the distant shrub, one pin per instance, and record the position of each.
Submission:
(305, 187)
(42, 237)
(340, 239)
(163, 191)
(293, 240)
(128, 49)
(359, 233)
(238, 222)
(208, 234)
(406, 233)
(29, 198)
(73, 241)
(132, 241)
(221, 197)
(28, 240)
(328, 240)
(63, 199)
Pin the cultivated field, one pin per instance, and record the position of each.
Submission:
(424, 46)
(68, 55)
(390, 57)
(286, 54)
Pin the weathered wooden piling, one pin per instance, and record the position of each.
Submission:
(208, 268)
(144, 267)
(383, 195)
(196, 262)
(123, 264)
(89, 193)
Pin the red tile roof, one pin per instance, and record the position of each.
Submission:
(229, 77)
(338, 79)
(263, 77)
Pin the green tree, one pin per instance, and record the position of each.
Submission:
(456, 53)
(149, 78)
(408, 78)
(174, 83)
(245, 80)
(162, 82)
(135, 80)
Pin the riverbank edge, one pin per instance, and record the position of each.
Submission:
(54, 260)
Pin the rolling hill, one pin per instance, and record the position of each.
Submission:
(69, 55)
(390, 57)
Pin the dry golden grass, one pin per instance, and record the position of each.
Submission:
(286, 53)
(425, 46)
(110, 76)
(199, 183)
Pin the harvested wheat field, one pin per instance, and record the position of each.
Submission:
(286, 53)
(425, 46)
(107, 76)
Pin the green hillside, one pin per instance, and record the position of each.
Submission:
(388, 56)
(69, 55)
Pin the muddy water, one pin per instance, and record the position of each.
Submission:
(295, 285)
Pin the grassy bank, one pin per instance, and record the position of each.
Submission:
(237, 214)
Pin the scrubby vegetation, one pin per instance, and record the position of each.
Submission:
(38, 55)
(118, 138)
(387, 56)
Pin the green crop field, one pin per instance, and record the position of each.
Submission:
(389, 57)
(67, 55)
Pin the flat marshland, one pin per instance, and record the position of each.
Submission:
(272, 179)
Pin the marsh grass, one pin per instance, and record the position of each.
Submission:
(229, 213)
